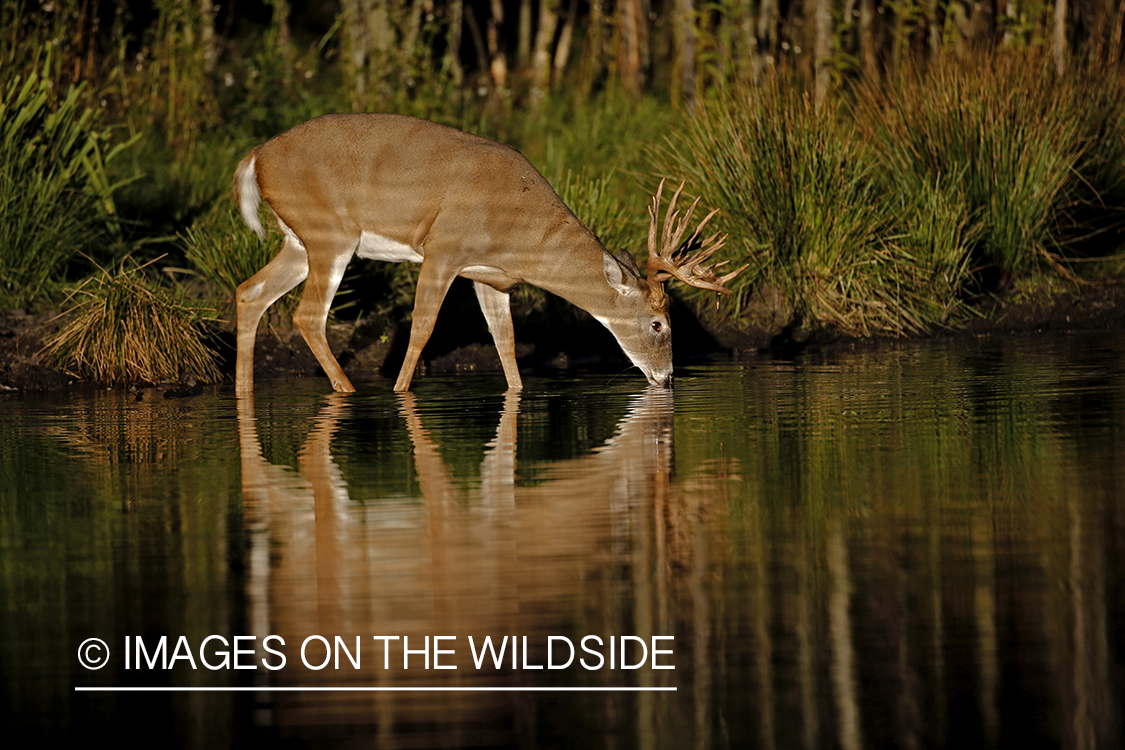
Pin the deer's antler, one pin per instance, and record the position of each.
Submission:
(670, 258)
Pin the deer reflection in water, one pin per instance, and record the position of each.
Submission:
(572, 553)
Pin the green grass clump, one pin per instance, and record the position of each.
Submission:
(801, 204)
(127, 328)
(935, 250)
(1000, 132)
(225, 252)
(56, 194)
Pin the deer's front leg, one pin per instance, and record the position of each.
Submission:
(497, 309)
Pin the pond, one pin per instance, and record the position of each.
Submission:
(913, 545)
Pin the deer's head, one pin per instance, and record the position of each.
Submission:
(640, 322)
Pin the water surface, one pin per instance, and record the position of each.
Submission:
(918, 545)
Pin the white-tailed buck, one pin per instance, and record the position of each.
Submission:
(396, 188)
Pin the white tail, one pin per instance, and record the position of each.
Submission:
(396, 188)
(249, 196)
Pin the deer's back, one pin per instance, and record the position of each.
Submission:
(388, 170)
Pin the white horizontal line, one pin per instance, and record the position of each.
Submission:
(274, 689)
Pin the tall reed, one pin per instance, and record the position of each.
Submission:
(56, 192)
(1000, 131)
(801, 203)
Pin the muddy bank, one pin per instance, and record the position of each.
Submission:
(766, 327)
(21, 366)
(556, 337)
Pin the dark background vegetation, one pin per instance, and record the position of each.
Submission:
(885, 167)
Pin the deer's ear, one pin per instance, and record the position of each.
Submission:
(620, 276)
(626, 259)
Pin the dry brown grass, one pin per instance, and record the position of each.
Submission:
(124, 327)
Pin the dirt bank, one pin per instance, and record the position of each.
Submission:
(1072, 308)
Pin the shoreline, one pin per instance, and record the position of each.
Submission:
(368, 351)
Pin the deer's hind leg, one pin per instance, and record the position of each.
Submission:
(254, 296)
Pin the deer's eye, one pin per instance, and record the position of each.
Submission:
(657, 326)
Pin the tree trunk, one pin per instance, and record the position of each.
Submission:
(355, 46)
(981, 23)
(1011, 13)
(207, 12)
(822, 50)
(453, 51)
(630, 19)
(410, 26)
(523, 45)
(478, 40)
(370, 38)
(683, 36)
(766, 37)
(498, 62)
(900, 39)
(1058, 42)
(867, 38)
(541, 55)
(380, 36)
(1115, 35)
(934, 26)
(593, 62)
(566, 39)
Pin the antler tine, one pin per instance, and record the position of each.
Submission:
(724, 279)
(674, 226)
(653, 214)
(669, 261)
(655, 279)
(706, 247)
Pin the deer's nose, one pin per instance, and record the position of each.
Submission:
(659, 379)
